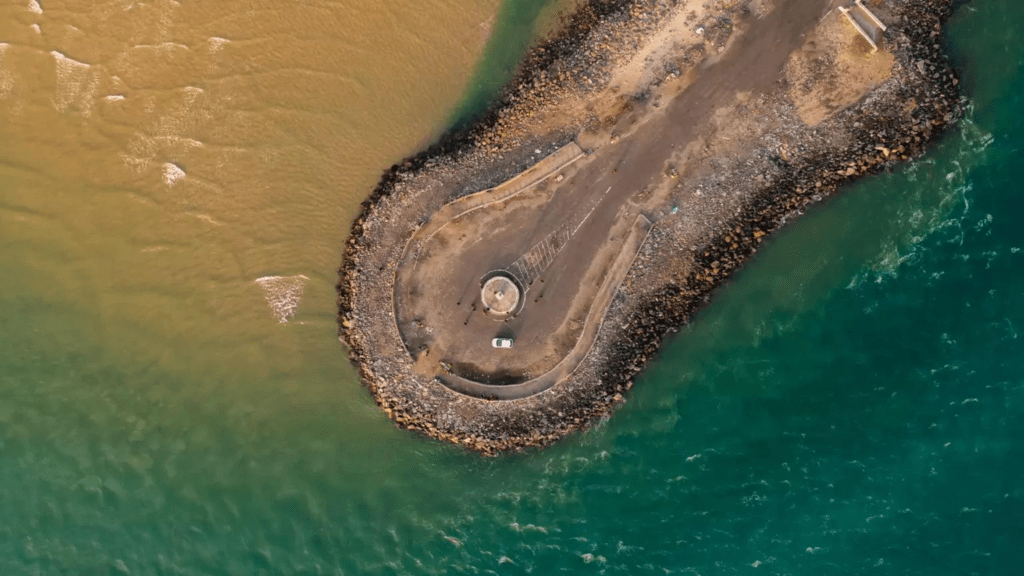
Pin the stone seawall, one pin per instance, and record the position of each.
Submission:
(783, 167)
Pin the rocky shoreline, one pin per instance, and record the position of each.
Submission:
(787, 166)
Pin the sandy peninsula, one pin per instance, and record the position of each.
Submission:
(503, 288)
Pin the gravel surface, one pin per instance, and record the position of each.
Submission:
(755, 165)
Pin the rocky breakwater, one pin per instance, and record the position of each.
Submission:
(893, 125)
(758, 165)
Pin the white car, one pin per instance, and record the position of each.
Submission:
(502, 342)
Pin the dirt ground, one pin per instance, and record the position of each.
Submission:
(834, 69)
(716, 122)
(439, 310)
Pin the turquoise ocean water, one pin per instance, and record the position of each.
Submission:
(853, 403)
(521, 23)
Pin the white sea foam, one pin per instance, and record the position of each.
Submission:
(208, 219)
(6, 83)
(172, 173)
(34, 7)
(283, 294)
(163, 136)
(179, 142)
(114, 98)
(6, 78)
(945, 203)
(35, 28)
(76, 84)
(162, 47)
(217, 43)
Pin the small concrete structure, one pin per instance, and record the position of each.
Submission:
(500, 296)
(865, 22)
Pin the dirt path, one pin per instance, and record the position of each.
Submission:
(785, 112)
(436, 306)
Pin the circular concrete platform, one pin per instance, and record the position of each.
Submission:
(500, 296)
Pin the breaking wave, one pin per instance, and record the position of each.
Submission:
(283, 294)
